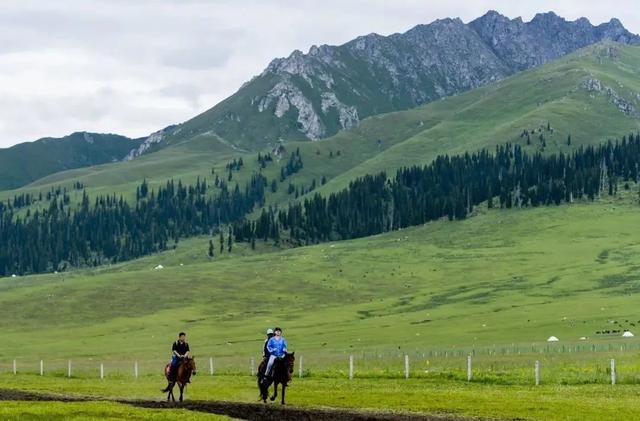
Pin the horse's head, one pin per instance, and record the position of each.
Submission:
(291, 359)
(190, 364)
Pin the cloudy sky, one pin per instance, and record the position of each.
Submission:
(132, 67)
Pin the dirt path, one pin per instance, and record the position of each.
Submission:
(246, 411)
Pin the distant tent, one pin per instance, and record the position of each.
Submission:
(627, 334)
(583, 338)
(14, 276)
(159, 267)
(552, 339)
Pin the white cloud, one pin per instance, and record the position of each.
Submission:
(133, 67)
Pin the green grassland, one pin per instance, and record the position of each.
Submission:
(500, 277)
(555, 402)
(93, 411)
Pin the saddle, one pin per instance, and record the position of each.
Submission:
(169, 374)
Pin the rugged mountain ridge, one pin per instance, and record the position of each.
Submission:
(26, 162)
(330, 88)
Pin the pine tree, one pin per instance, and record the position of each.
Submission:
(144, 188)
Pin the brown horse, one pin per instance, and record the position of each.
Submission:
(186, 368)
(281, 374)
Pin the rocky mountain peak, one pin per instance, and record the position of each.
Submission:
(330, 88)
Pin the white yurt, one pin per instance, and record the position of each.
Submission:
(553, 339)
(159, 267)
(627, 334)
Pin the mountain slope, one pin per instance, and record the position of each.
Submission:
(26, 162)
(311, 96)
(591, 95)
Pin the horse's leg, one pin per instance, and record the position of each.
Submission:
(264, 390)
(181, 386)
(284, 387)
(275, 392)
(170, 395)
(168, 390)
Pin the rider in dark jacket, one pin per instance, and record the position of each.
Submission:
(179, 351)
(265, 351)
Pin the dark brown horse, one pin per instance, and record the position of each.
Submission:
(281, 375)
(186, 368)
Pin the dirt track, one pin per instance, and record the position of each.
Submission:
(246, 411)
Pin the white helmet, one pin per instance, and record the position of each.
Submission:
(269, 331)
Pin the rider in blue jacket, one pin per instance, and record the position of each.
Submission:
(277, 347)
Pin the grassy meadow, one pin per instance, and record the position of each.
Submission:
(500, 278)
(18, 410)
(444, 397)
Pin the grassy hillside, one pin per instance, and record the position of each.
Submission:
(553, 101)
(500, 277)
(26, 162)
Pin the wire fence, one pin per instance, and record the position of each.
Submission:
(613, 363)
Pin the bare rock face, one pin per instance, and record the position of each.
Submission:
(148, 143)
(596, 87)
(548, 36)
(348, 116)
(287, 95)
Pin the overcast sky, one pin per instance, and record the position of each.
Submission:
(132, 67)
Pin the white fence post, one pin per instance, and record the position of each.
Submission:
(613, 371)
(406, 366)
(15, 367)
(211, 366)
(300, 368)
(41, 368)
(350, 367)
(469, 371)
(135, 369)
(101, 371)
(69, 369)
(253, 366)
(537, 372)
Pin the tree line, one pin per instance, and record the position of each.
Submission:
(450, 187)
(110, 229)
